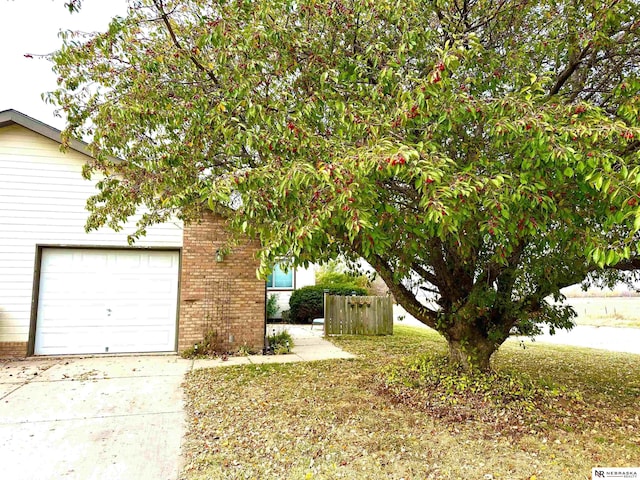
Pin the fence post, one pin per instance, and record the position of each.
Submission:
(324, 310)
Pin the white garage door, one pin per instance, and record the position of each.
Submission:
(106, 301)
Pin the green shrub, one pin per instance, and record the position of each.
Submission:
(272, 306)
(244, 351)
(209, 346)
(280, 343)
(342, 280)
(307, 303)
(336, 274)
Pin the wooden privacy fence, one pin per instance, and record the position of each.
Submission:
(358, 315)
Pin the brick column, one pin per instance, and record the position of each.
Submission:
(222, 297)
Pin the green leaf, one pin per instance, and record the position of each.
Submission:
(636, 222)
(598, 181)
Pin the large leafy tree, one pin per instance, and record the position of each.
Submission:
(479, 154)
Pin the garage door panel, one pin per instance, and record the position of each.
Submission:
(103, 340)
(122, 338)
(89, 260)
(129, 286)
(99, 301)
(161, 262)
(127, 262)
(73, 260)
(59, 316)
(134, 315)
(84, 340)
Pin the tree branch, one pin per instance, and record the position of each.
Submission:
(626, 265)
(165, 19)
(570, 70)
(402, 295)
(631, 148)
(447, 284)
(424, 273)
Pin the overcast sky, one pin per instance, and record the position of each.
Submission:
(31, 27)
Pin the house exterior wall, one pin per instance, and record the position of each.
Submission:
(305, 276)
(42, 202)
(282, 301)
(302, 277)
(226, 297)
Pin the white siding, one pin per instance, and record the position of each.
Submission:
(42, 200)
(303, 278)
(282, 300)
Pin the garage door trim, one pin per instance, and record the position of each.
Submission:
(37, 272)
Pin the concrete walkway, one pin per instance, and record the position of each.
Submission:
(109, 417)
(308, 346)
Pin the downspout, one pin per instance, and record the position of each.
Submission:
(265, 345)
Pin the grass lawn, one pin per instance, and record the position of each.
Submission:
(607, 311)
(561, 411)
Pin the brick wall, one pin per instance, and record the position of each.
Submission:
(13, 349)
(222, 297)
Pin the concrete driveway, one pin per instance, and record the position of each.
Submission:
(109, 417)
(92, 418)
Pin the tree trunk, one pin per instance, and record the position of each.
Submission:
(471, 356)
(469, 346)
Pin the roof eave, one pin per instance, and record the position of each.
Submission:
(13, 117)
